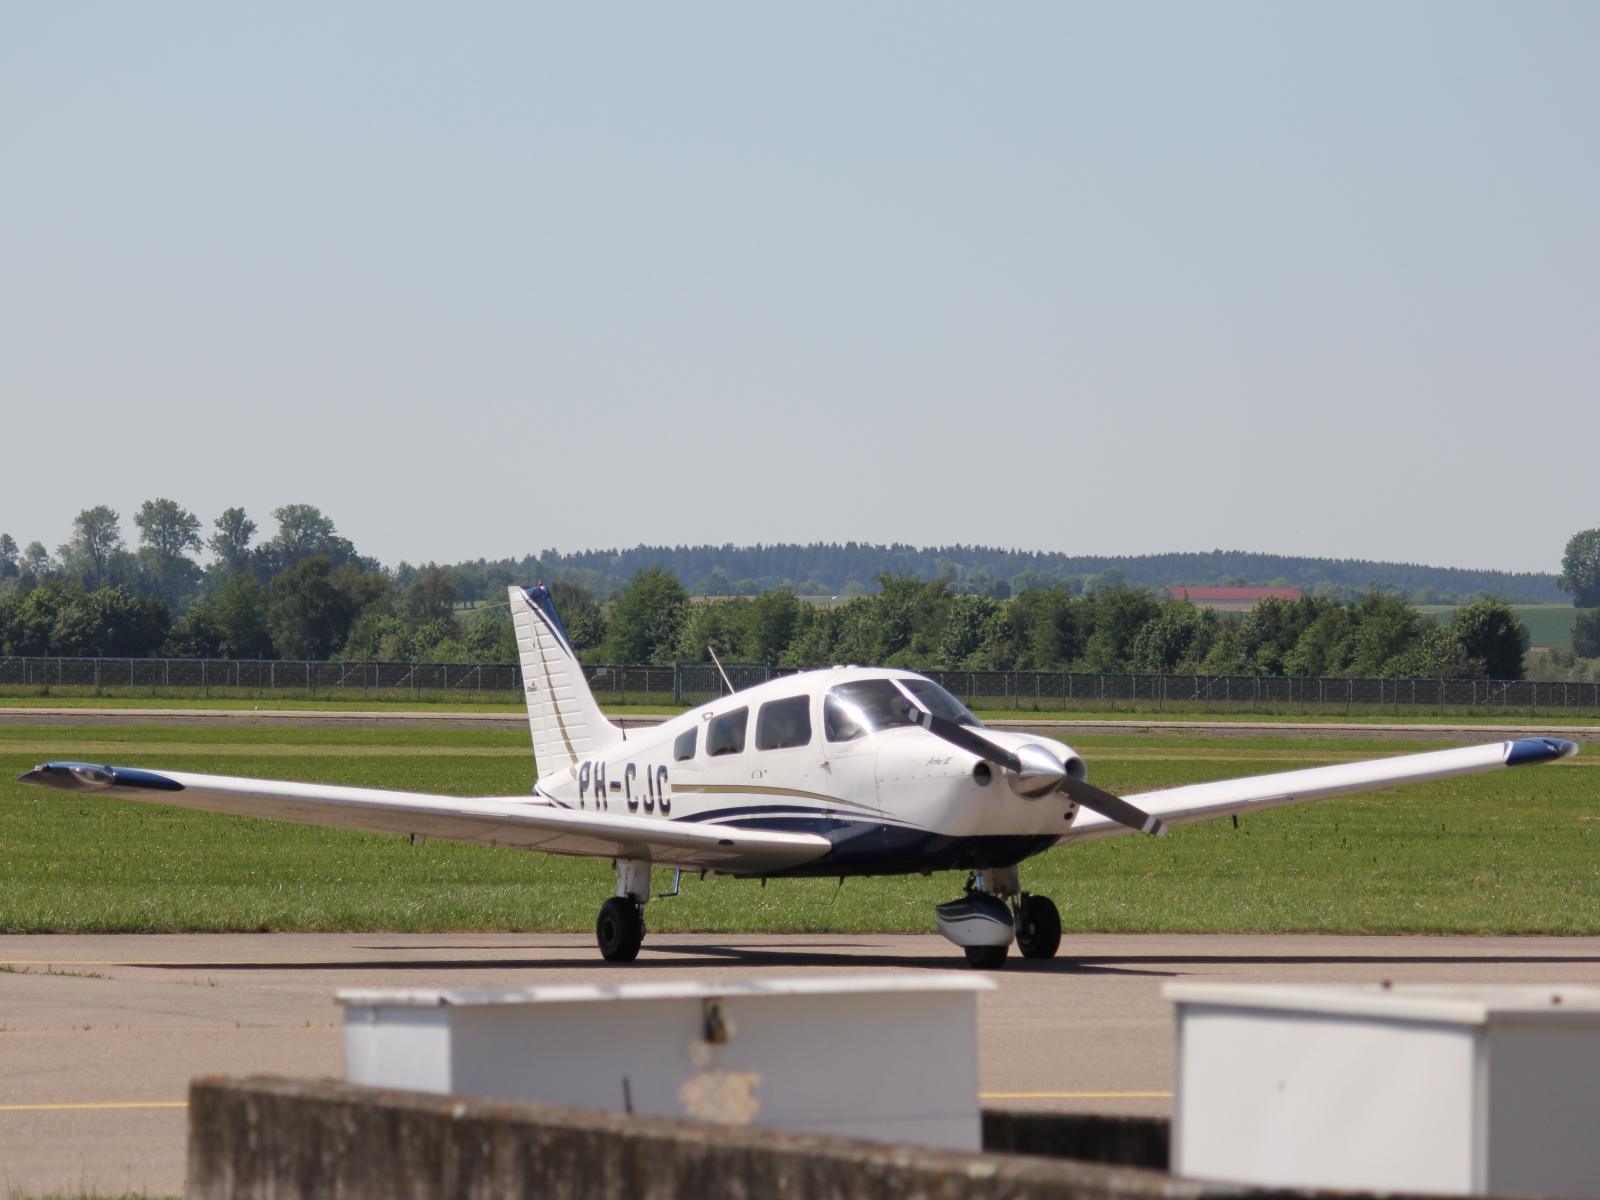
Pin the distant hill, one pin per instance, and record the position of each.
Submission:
(831, 568)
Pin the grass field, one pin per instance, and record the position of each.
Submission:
(1509, 852)
(1547, 623)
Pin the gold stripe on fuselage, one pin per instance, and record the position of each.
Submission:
(747, 789)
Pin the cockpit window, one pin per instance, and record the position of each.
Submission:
(940, 702)
(854, 710)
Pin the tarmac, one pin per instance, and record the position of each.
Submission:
(100, 1034)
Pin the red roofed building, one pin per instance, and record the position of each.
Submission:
(1238, 598)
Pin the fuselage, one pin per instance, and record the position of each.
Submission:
(813, 753)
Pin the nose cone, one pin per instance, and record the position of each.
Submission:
(1041, 774)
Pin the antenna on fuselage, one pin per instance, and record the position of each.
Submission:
(718, 661)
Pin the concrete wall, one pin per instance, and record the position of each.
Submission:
(1087, 1137)
(279, 1139)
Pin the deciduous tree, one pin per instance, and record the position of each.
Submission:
(167, 532)
(96, 543)
(1491, 635)
(647, 618)
(1580, 569)
(314, 606)
(231, 542)
(1586, 634)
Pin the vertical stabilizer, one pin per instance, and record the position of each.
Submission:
(566, 720)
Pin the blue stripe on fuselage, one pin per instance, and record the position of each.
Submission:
(877, 848)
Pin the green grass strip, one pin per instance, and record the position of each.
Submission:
(1512, 852)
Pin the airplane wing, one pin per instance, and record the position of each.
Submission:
(1228, 797)
(522, 824)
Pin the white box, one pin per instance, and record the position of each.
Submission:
(891, 1058)
(1411, 1088)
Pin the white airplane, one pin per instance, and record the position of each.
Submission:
(840, 772)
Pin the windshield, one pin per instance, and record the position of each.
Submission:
(854, 710)
(939, 702)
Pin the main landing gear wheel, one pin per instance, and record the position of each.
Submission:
(620, 930)
(1038, 927)
(987, 958)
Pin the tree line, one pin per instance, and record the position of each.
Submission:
(305, 592)
(848, 569)
(915, 623)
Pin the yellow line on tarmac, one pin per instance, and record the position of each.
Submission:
(126, 1104)
(1074, 1095)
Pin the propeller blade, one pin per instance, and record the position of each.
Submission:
(1114, 807)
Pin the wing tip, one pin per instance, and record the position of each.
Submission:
(96, 777)
(1526, 751)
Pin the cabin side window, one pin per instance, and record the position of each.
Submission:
(683, 745)
(726, 734)
(783, 723)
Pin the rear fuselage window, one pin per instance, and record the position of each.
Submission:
(726, 735)
(683, 745)
(784, 723)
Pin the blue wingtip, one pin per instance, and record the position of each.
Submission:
(1537, 750)
(96, 777)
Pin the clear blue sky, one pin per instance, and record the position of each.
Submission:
(479, 279)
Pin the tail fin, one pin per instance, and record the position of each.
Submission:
(565, 718)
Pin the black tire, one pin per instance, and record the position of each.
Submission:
(620, 930)
(1038, 927)
(987, 958)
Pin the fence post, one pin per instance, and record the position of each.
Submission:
(677, 683)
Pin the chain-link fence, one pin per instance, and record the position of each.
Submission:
(696, 683)
(1067, 690)
(188, 676)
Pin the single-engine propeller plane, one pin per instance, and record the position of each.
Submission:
(840, 772)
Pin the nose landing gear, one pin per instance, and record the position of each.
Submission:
(984, 925)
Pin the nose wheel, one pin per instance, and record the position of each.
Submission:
(620, 929)
(1038, 928)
